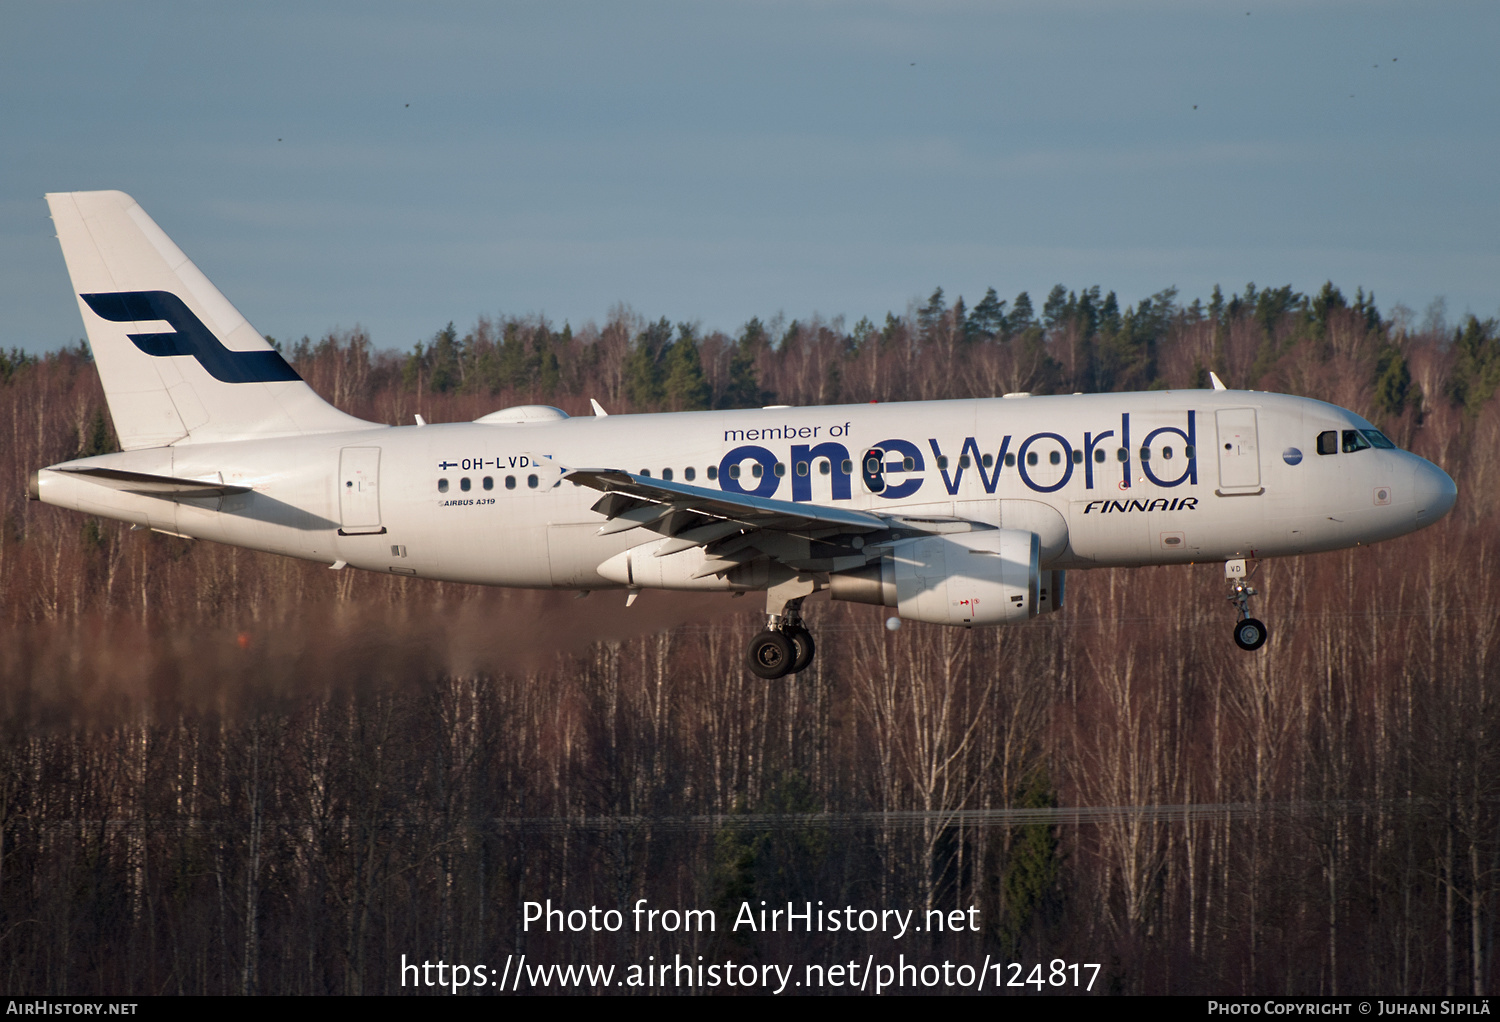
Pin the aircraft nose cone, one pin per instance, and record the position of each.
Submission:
(1435, 493)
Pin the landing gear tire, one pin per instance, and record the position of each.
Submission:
(772, 655)
(804, 647)
(1249, 634)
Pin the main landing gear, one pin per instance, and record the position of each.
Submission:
(1249, 633)
(786, 646)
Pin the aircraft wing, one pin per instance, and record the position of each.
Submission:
(733, 526)
(626, 491)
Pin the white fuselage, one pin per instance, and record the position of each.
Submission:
(1205, 476)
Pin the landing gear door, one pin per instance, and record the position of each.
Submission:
(359, 490)
(1239, 452)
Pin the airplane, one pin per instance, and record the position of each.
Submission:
(964, 513)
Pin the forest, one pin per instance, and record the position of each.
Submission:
(224, 772)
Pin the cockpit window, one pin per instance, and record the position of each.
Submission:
(1354, 441)
(1378, 439)
(1328, 442)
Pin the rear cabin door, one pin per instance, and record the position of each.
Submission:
(359, 490)
(1239, 451)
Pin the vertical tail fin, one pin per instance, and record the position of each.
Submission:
(179, 364)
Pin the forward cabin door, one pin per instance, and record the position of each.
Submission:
(359, 490)
(1239, 451)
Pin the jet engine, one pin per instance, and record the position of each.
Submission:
(969, 578)
(1050, 595)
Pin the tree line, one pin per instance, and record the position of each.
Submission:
(1080, 341)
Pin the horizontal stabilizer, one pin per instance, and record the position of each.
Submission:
(146, 485)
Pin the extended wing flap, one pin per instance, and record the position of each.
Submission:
(146, 485)
(613, 505)
(701, 536)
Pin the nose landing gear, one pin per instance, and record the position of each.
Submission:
(1249, 633)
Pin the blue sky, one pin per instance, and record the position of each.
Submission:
(713, 162)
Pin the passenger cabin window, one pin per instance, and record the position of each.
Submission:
(1010, 460)
(463, 484)
(666, 475)
(1328, 442)
(1099, 455)
(802, 468)
(510, 482)
(489, 483)
(987, 461)
(690, 473)
(442, 486)
(963, 461)
(1354, 441)
(713, 472)
(823, 467)
(531, 481)
(873, 470)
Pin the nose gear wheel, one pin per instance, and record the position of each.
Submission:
(1250, 633)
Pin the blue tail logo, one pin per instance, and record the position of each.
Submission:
(188, 337)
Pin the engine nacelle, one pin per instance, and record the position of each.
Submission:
(967, 578)
(1049, 596)
(639, 567)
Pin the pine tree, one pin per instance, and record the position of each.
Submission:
(413, 368)
(1055, 307)
(685, 388)
(1029, 883)
(744, 390)
(1392, 381)
(930, 314)
(1109, 314)
(16, 360)
(97, 439)
(443, 373)
(548, 371)
(1021, 315)
(987, 321)
(1325, 303)
(512, 357)
(643, 368)
(1476, 367)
